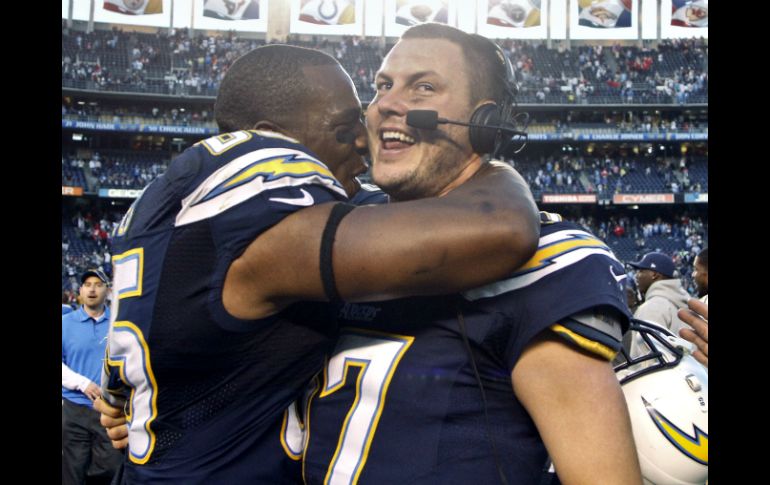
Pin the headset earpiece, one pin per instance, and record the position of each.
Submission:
(488, 140)
(483, 139)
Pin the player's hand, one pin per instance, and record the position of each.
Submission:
(92, 391)
(696, 317)
(114, 421)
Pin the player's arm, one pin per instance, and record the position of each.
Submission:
(578, 407)
(476, 234)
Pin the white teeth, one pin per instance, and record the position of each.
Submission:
(397, 136)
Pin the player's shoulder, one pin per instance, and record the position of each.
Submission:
(560, 236)
(564, 240)
(233, 170)
(551, 222)
(574, 282)
(564, 249)
(239, 166)
(240, 157)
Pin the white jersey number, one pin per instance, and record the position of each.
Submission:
(377, 355)
(128, 352)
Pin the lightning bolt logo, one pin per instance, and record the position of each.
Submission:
(695, 447)
(290, 165)
(546, 255)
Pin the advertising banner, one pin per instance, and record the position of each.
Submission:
(569, 198)
(71, 191)
(643, 199)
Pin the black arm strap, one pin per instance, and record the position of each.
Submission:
(338, 212)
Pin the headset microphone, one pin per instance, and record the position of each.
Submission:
(423, 119)
(483, 121)
(426, 119)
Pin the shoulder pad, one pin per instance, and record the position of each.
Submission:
(597, 330)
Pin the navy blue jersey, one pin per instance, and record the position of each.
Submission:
(398, 401)
(369, 194)
(208, 392)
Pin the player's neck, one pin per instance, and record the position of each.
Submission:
(469, 171)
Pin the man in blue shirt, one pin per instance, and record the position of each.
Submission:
(84, 337)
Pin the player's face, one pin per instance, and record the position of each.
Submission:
(408, 163)
(93, 292)
(700, 276)
(332, 127)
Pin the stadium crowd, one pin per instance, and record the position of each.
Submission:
(606, 176)
(603, 176)
(86, 241)
(177, 62)
(674, 72)
(93, 111)
(124, 171)
(542, 122)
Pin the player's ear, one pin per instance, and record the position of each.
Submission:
(268, 126)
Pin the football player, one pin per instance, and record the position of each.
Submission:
(483, 386)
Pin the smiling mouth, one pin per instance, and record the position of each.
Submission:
(395, 140)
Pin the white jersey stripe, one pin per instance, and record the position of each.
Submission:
(195, 209)
(556, 263)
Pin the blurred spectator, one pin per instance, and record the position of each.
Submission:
(65, 303)
(700, 275)
(663, 293)
(86, 449)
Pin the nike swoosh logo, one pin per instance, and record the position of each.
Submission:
(306, 199)
(618, 278)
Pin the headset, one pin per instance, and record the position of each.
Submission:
(493, 120)
(493, 128)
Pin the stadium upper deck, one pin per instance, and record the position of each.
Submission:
(192, 64)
